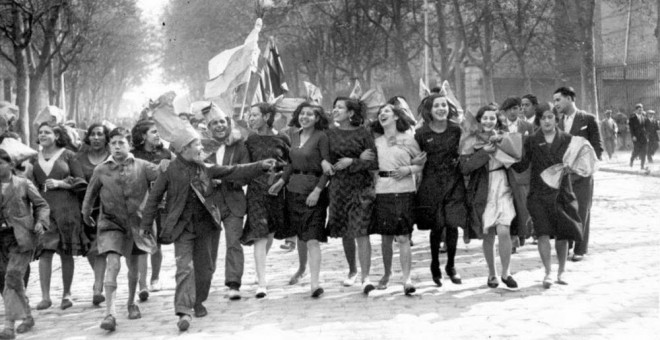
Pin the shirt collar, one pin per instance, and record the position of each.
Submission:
(129, 158)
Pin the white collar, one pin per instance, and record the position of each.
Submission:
(111, 159)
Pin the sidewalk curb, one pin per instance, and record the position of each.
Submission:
(629, 172)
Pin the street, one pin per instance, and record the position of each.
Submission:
(613, 293)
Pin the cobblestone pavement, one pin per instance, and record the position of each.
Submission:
(620, 163)
(613, 293)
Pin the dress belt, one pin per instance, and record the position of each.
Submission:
(308, 173)
(497, 169)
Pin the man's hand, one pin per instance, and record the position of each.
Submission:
(39, 228)
(275, 188)
(268, 164)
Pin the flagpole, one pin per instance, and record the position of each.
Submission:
(247, 88)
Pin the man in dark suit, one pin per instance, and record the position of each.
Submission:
(638, 123)
(583, 124)
(652, 128)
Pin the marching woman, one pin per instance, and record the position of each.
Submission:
(266, 214)
(306, 196)
(395, 190)
(489, 195)
(554, 211)
(94, 153)
(148, 146)
(351, 188)
(24, 214)
(440, 201)
(59, 177)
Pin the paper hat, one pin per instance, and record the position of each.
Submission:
(183, 136)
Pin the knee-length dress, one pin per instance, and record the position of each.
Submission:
(65, 235)
(351, 191)
(440, 199)
(82, 157)
(266, 213)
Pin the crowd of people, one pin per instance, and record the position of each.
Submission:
(327, 175)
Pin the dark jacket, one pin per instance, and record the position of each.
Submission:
(638, 129)
(20, 207)
(229, 193)
(585, 125)
(177, 182)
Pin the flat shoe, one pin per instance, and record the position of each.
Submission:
(134, 312)
(453, 276)
(510, 282)
(184, 323)
(367, 287)
(26, 325)
(200, 311)
(155, 286)
(97, 299)
(547, 283)
(109, 323)
(409, 289)
(577, 258)
(143, 295)
(261, 293)
(66, 303)
(560, 281)
(44, 304)
(350, 280)
(317, 292)
(436, 275)
(492, 282)
(234, 294)
(382, 284)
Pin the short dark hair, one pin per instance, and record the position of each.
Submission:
(532, 99)
(91, 128)
(62, 139)
(428, 106)
(265, 109)
(510, 102)
(639, 106)
(482, 110)
(542, 108)
(357, 106)
(566, 92)
(122, 132)
(321, 124)
(402, 124)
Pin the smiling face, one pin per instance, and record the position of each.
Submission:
(192, 151)
(548, 121)
(307, 118)
(119, 147)
(220, 127)
(340, 113)
(386, 116)
(97, 139)
(46, 136)
(440, 109)
(488, 121)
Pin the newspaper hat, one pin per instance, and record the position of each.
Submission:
(183, 136)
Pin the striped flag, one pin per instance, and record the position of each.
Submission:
(276, 71)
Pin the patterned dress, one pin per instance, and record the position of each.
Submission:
(351, 190)
(65, 235)
(266, 214)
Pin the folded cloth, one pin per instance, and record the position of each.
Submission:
(580, 158)
(18, 151)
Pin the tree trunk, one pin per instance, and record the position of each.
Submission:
(6, 89)
(73, 98)
(488, 87)
(657, 26)
(523, 71)
(401, 54)
(34, 103)
(22, 84)
(588, 68)
(442, 41)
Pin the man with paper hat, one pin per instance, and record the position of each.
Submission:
(193, 214)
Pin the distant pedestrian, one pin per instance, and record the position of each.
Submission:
(621, 120)
(653, 127)
(638, 124)
(609, 130)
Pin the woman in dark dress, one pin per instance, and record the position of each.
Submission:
(351, 189)
(148, 146)
(306, 196)
(266, 214)
(92, 154)
(440, 200)
(58, 176)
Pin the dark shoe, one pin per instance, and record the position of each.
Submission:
(66, 303)
(492, 282)
(134, 312)
(317, 292)
(453, 276)
(288, 246)
(44, 304)
(367, 287)
(143, 295)
(261, 292)
(514, 250)
(510, 282)
(184, 322)
(436, 275)
(409, 289)
(577, 258)
(7, 334)
(109, 323)
(234, 294)
(200, 310)
(26, 325)
(97, 299)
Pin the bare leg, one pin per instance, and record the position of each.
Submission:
(156, 263)
(386, 249)
(488, 246)
(260, 251)
(350, 251)
(405, 255)
(364, 253)
(45, 272)
(143, 268)
(544, 251)
(133, 263)
(504, 240)
(314, 249)
(561, 246)
(111, 272)
(302, 263)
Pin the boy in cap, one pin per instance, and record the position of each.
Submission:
(192, 214)
(122, 182)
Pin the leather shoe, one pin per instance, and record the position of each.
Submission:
(510, 282)
(317, 293)
(436, 275)
(109, 323)
(200, 310)
(7, 334)
(409, 289)
(577, 258)
(26, 325)
(97, 299)
(184, 322)
(234, 294)
(367, 287)
(261, 292)
(143, 295)
(134, 312)
(492, 282)
(44, 304)
(453, 276)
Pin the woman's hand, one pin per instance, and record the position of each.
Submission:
(327, 168)
(51, 184)
(313, 197)
(419, 159)
(496, 138)
(401, 172)
(268, 164)
(275, 188)
(490, 148)
(343, 164)
(368, 155)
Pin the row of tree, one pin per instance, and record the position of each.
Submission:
(90, 50)
(332, 43)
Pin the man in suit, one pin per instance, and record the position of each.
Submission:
(652, 128)
(529, 102)
(638, 123)
(583, 124)
(515, 124)
(609, 131)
